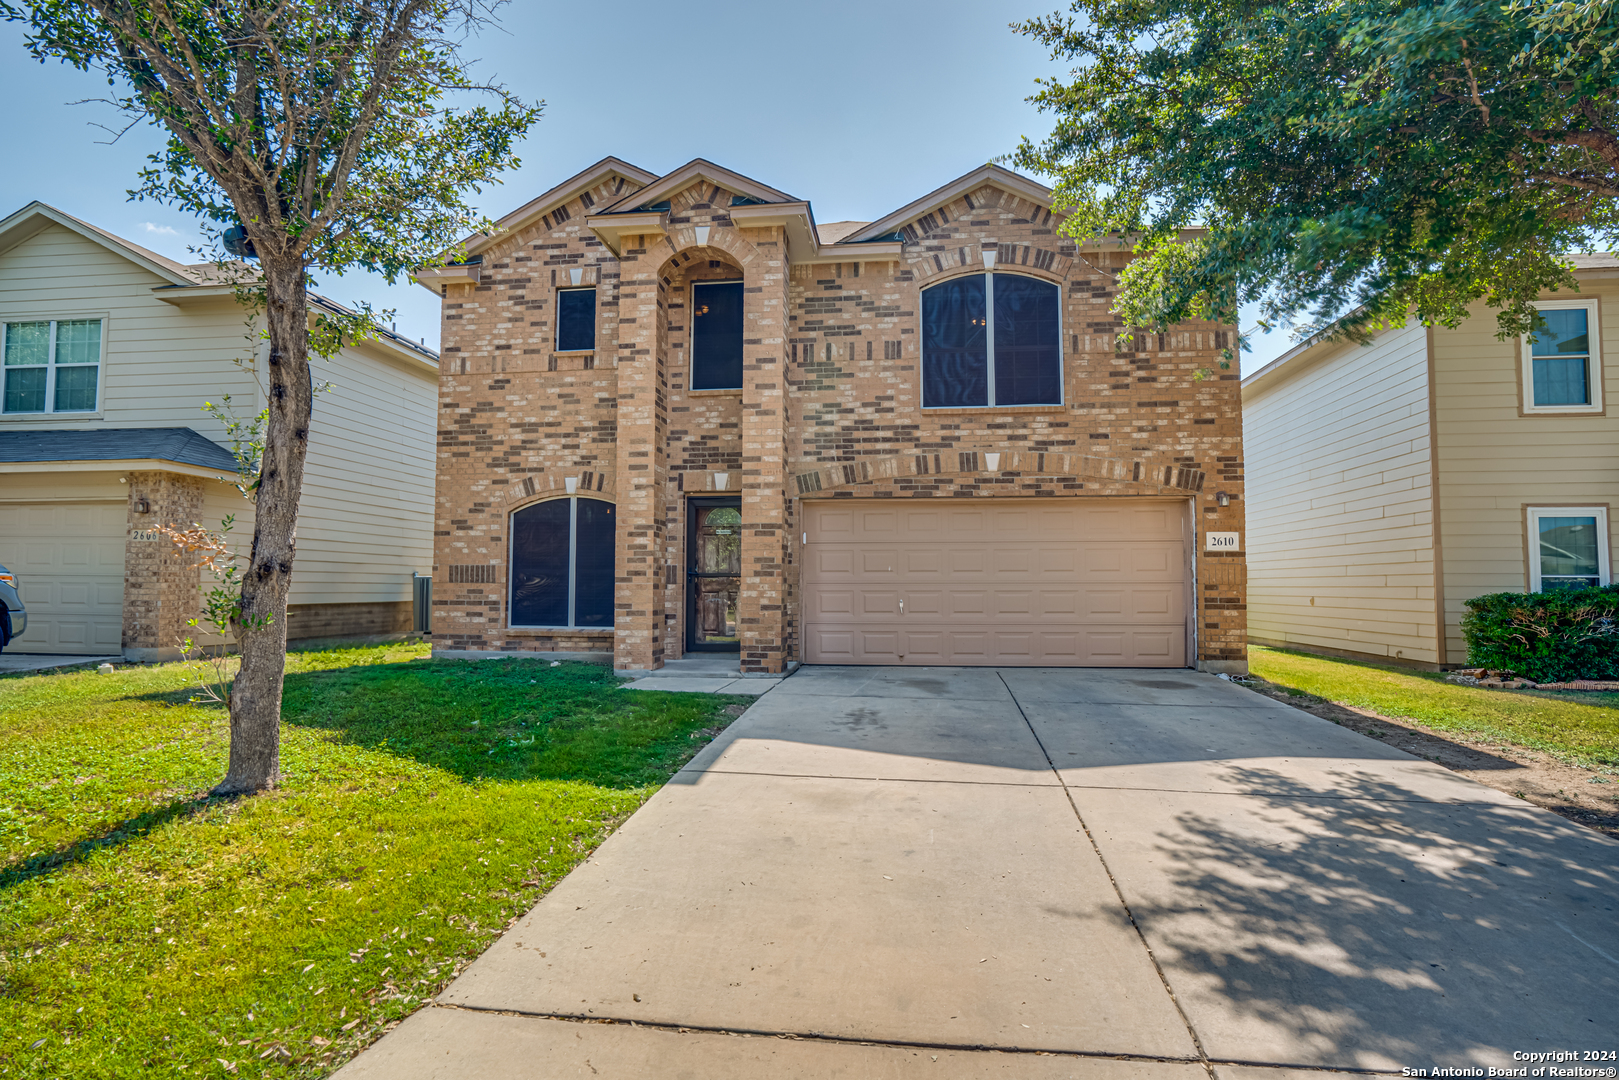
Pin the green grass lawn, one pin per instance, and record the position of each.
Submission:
(1578, 726)
(146, 930)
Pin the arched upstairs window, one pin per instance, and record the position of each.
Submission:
(991, 339)
(562, 565)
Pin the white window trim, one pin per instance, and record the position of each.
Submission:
(50, 410)
(989, 347)
(691, 335)
(595, 307)
(1593, 366)
(1535, 513)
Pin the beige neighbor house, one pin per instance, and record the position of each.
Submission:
(678, 415)
(1389, 484)
(110, 352)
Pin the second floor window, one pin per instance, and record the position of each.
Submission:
(576, 320)
(991, 339)
(51, 366)
(1562, 365)
(716, 335)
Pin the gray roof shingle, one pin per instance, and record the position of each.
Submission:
(177, 444)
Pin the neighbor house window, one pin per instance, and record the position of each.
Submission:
(562, 564)
(576, 320)
(51, 366)
(716, 335)
(1568, 547)
(1562, 363)
(991, 339)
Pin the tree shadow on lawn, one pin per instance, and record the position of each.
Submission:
(507, 719)
(1339, 926)
(134, 828)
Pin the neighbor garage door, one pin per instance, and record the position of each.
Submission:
(1071, 582)
(69, 560)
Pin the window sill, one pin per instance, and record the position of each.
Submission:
(952, 410)
(736, 393)
(1560, 410)
(573, 352)
(48, 417)
(600, 631)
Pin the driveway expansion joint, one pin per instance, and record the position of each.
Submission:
(815, 1036)
(1197, 1042)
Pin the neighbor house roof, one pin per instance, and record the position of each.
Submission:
(186, 281)
(1317, 346)
(180, 445)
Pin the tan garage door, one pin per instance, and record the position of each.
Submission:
(69, 560)
(1072, 582)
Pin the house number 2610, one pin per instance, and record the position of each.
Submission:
(1223, 541)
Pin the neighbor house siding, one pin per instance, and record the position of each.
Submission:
(1493, 461)
(1341, 534)
(365, 517)
(160, 362)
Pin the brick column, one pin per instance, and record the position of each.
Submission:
(762, 609)
(160, 580)
(641, 458)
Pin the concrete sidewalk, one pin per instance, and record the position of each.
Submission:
(969, 872)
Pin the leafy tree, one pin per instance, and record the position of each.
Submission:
(1356, 160)
(329, 131)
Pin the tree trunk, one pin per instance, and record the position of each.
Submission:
(255, 700)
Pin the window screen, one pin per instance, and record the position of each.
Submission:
(991, 339)
(593, 569)
(576, 320)
(955, 366)
(562, 564)
(1561, 353)
(716, 335)
(1569, 552)
(1028, 345)
(540, 550)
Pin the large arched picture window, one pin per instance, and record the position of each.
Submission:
(562, 564)
(991, 339)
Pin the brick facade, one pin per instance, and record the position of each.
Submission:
(160, 579)
(830, 406)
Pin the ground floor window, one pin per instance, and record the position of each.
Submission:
(1568, 547)
(562, 565)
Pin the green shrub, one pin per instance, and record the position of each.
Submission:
(1547, 636)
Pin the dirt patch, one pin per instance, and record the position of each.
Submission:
(1589, 797)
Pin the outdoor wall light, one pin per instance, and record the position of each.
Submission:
(1222, 498)
(142, 506)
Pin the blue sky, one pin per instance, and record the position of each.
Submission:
(859, 106)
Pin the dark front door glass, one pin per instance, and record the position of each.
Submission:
(714, 578)
(716, 335)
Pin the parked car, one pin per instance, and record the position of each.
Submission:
(13, 616)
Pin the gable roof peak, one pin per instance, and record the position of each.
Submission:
(693, 171)
(988, 173)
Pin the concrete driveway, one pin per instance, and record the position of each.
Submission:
(1045, 873)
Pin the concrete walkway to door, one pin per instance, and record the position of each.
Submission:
(884, 872)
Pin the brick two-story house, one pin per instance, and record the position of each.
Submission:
(678, 415)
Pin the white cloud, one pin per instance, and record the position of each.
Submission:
(159, 230)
